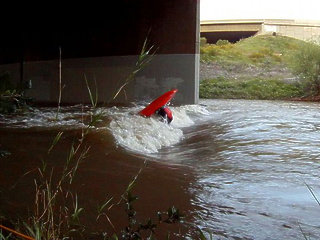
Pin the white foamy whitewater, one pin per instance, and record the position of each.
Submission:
(130, 130)
(149, 134)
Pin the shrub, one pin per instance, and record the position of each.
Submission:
(12, 97)
(305, 62)
(221, 42)
(203, 41)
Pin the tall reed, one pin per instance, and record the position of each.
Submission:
(57, 211)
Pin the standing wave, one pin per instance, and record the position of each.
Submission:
(150, 134)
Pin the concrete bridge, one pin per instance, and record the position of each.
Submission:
(234, 30)
(103, 47)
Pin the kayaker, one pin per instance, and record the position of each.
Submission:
(166, 114)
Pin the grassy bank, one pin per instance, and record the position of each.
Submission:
(262, 50)
(249, 89)
(260, 67)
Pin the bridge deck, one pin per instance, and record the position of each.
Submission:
(234, 30)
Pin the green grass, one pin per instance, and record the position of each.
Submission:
(249, 89)
(265, 53)
(258, 50)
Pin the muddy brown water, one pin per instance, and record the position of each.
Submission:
(237, 169)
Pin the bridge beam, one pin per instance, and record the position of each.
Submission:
(230, 30)
(106, 54)
(234, 30)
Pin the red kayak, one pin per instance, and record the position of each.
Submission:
(157, 103)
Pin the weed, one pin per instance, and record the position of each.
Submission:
(305, 62)
(12, 97)
(57, 212)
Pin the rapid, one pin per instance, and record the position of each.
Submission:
(237, 169)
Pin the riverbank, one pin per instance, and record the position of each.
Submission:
(259, 67)
(218, 81)
(211, 70)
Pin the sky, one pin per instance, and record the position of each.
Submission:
(255, 9)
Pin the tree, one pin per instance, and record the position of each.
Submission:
(306, 64)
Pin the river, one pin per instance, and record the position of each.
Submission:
(237, 169)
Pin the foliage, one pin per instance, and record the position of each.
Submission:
(270, 44)
(138, 230)
(305, 62)
(221, 42)
(313, 193)
(258, 50)
(265, 52)
(144, 59)
(57, 213)
(56, 210)
(248, 89)
(12, 97)
(225, 53)
(203, 41)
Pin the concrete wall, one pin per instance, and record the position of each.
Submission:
(234, 30)
(301, 29)
(107, 54)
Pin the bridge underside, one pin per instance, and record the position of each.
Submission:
(231, 30)
(231, 36)
(235, 29)
(104, 49)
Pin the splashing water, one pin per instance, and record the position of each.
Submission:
(130, 130)
(148, 135)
